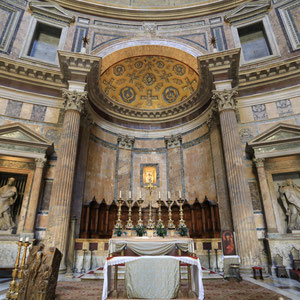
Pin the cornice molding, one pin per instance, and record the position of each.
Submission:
(270, 73)
(29, 73)
(204, 8)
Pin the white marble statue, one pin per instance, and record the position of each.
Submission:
(290, 196)
(8, 196)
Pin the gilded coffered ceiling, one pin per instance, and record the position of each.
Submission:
(149, 82)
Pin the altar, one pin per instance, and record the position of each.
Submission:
(151, 245)
(152, 281)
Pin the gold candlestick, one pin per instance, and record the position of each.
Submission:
(21, 269)
(151, 223)
(181, 221)
(129, 224)
(170, 221)
(13, 287)
(119, 223)
(140, 221)
(159, 202)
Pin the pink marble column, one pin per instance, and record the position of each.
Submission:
(266, 197)
(240, 198)
(61, 196)
(219, 171)
(35, 193)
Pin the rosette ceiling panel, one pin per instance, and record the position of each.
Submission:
(148, 89)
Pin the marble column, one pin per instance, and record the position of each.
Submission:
(34, 198)
(80, 171)
(61, 196)
(219, 171)
(240, 198)
(266, 197)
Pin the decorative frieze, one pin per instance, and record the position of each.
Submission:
(225, 99)
(149, 27)
(125, 141)
(246, 135)
(173, 141)
(74, 100)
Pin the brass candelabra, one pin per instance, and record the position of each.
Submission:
(150, 187)
(170, 221)
(159, 202)
(129, 224)
(181, 221)
(18, 270)
(119, 223)
(140, 221)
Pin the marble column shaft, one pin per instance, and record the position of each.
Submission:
(34, 198)
(240, 198)
(220, 173)
(61, 196)
(266, 197)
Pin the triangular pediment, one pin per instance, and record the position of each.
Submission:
(247, 10)
(17, 133)
(279, 138)
(51, 9)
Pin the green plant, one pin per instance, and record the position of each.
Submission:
(140, 230)
(118, 231)
(183, 230)
(161, 230)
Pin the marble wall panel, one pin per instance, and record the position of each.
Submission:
(26, 111)
(124, 172)
(255, 196)
(38, 112)
(198, 171)
(13, 108)
(175, 171)
(295, 102)
(245, 114)
(194, 134)
(259, 112)
(272, 111)
(52, 115)
(100, 174)
(149, 144)
(284, 107)
(265, 126)
(3, 105)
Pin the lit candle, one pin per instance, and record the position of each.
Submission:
(27, 239)
(120, 194)
(21, 239)
(169, 195)
(158, 195)
(129, 194)
(140, 194)
(179, 195)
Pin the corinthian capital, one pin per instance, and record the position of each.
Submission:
(259, 162)
(40, 162)
(74, 100)
(225, 99)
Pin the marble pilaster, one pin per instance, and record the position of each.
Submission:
(240, 198)
(266, 197)
(219, 171)
(61, 196)
(34, 198)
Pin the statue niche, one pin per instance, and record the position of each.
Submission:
(290, 197)
(8, 196)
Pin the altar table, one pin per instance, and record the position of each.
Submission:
(196, 271)
(151, 245)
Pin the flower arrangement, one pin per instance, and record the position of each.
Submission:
(140, 230)
(161, 230)
(183, 230)
(118, 231)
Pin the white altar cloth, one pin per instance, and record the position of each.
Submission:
(196, 271)
(150, 245)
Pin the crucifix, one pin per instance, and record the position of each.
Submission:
(149, 97)
(150, 187)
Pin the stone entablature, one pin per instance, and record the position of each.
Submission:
(162, 11)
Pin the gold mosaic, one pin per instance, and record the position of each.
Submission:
(149, 82)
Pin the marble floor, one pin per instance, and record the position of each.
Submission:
(288, 288)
